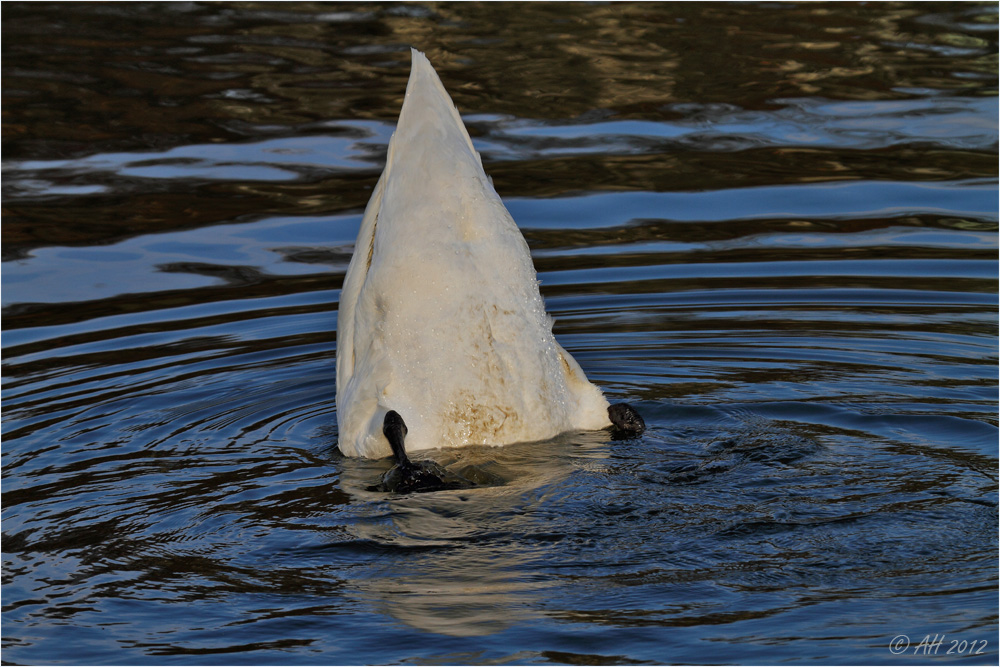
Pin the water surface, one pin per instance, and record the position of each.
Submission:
(773, 228)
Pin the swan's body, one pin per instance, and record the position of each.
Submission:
(440, 315)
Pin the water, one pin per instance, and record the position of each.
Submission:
(770, 227)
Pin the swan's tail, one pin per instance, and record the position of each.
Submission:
(427, 98)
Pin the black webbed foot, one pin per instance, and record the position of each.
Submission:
(394, 429)
(411, 476)
(626, 422)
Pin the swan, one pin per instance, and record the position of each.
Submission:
(442, 335)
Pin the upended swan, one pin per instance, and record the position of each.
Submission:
(442, 335)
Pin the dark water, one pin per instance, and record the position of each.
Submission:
(771, 227)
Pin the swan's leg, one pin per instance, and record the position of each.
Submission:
(626, 420)
(394, 429)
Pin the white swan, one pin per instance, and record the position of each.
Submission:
(441, 322)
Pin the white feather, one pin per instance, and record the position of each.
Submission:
(440, 315)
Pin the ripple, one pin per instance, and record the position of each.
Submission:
(781, 251)
(946, 122)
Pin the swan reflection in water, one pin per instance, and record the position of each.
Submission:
(465, 562)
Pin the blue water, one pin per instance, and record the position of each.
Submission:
(772, 228)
